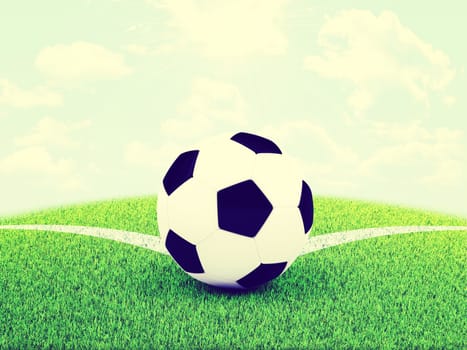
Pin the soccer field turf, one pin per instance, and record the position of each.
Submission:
(401, 291)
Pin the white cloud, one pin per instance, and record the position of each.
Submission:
(35, 159)
(52, 132)
(360, 100)
(292, 131)
(140, 50)
(374, 52)
(186, 127)
(407, 155)
(211, 105)
(156, 159)
(401, 132)
(215, 100)
(144, 50)
(415, 131)
(449, 100)
(228, 29)
(433, 157)
(12, 95)
(81, 61)
(138, 27)
(326, 163)
(448, 172)
(163, 49)
(37, 162)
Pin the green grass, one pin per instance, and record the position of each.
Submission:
(403, 291)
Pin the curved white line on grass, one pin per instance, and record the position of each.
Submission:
(133, 238)
(154, 243)
(337, 238)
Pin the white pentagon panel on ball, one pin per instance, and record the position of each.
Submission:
(192, 211)
(280, 178)
(162, 214)
(228, 255)
(217, 281)
(223, 162)
(282, 236)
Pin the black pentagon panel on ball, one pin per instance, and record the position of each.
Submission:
(257, 144)
(242, 208)
(180, 171)
(306, 207)
(262, 274)
(184, 253)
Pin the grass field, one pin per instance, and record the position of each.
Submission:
(61, 290)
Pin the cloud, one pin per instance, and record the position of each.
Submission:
(360, 100)
(140, 50)
(138, 153)
(149, 157)
(144, 50)
(448, 172)
(432, 157)
(139, 27)
(212, 105)
(376, 51)
(449, 100)
(36, 161)
(406, 155)
(326, 162)
(81, 61)
(136, 49)
(12, 95)
(415, 131)
(228, 29)
(52, 132)
(291, 131)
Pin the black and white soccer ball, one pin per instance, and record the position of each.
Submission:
(234, 212)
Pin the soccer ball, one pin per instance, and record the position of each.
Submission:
(234, 212)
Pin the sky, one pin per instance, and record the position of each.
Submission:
(98, 97)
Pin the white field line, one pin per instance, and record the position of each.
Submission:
(154, 243)
(338, 238)
(133, 238)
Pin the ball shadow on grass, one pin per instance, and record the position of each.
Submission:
(232, 292)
